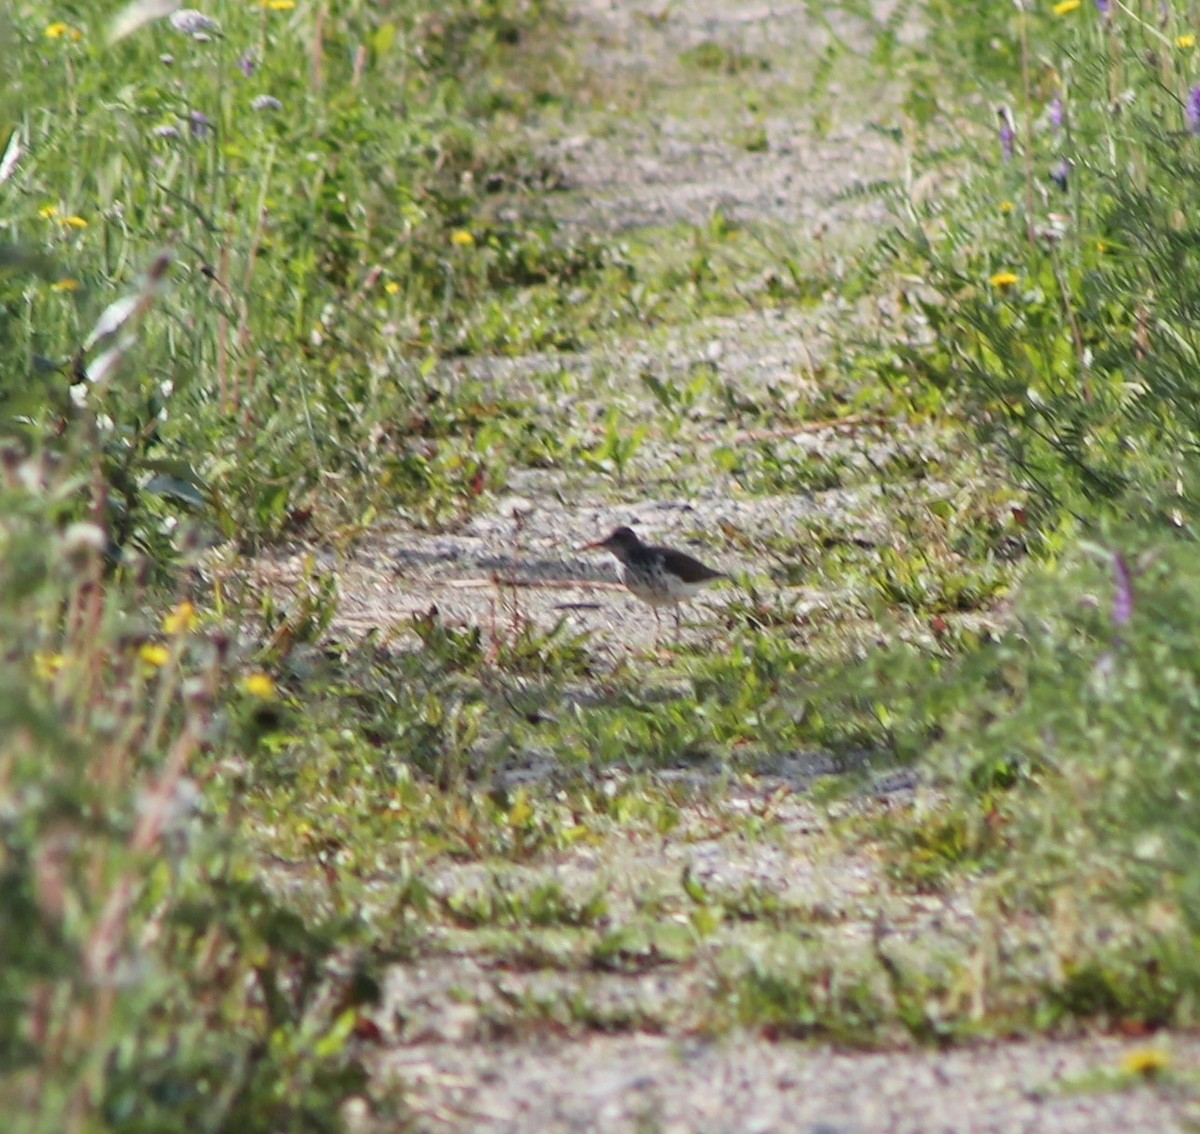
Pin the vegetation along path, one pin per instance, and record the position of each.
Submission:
(699, 912)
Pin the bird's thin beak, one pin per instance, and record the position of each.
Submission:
(594, 545)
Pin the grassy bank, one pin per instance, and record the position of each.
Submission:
(234, 242)
(1056, 269)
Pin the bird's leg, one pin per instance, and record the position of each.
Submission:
(676, 609)
(657, 627)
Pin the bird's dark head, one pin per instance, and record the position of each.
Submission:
(620, 541)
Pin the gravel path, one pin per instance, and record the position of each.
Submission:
(742, 1085)
(666, 143)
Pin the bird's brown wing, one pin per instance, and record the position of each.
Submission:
(690, 570)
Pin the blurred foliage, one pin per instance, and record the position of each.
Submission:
(148, 976)
(1057, 286)
(234, 244)
(340, 204)
(1049, 292)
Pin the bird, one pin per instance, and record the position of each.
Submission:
(659, 576)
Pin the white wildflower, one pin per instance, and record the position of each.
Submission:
(12, 155)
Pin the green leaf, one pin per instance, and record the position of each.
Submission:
(383, 40)
(334, 1040)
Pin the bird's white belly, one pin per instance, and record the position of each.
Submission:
(663, 591)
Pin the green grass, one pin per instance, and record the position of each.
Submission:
(1061, 326)
(320, 256)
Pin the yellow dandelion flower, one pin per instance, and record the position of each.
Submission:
(1185, 41)
(1065, 6)
(279, 5)
(154, 654)
(57, 30)
(75, 222)
(65, 285)
(179, 620)
(259, 685)
(1145, 1061)
(521, 812)
(462, 238)
(1101, 247)
(48, 212)
(391, 287)
(1003, 279)
(45, 666)
(1007, 207)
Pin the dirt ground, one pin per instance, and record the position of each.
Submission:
(664, 144)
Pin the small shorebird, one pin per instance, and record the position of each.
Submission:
(660, 576)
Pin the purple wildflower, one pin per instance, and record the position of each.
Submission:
(1008, 132)
(188, 21)
(199, 125)
(266, 102)
(1061, 174)
(1192, 111)
(247, 64)
(1057, 112)
(1103, 7)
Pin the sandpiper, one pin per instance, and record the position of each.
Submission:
(660, 576)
